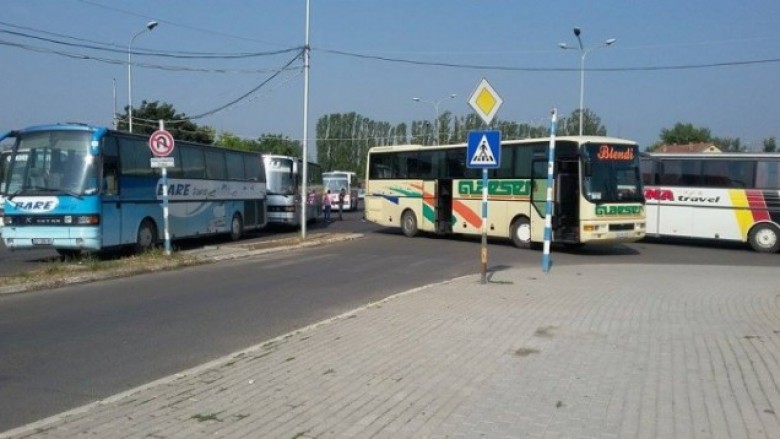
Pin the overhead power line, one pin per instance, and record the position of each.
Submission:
(172, 23)
(546, 69)
(171, 68)
(99, 46)
(250, 92)
(146, 52)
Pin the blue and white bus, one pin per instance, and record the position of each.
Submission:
(53, 199)
(284, 180)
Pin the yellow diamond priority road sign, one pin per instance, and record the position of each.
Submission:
(485, 101)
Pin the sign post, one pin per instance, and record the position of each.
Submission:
(161, 143)
(548, 204)
(484, 152)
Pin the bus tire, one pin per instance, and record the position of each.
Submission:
(764, 238)
(236, 227)
(409, 224)
(146, 238)
(521, 233)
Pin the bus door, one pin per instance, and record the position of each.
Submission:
(443, 214)
(111, 212)
(567, 201)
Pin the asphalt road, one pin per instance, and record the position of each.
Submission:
(65, 347)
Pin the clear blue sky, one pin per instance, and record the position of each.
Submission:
(644, 90)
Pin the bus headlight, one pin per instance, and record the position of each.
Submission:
(592, 228)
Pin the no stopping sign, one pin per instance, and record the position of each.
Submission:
(161, 143)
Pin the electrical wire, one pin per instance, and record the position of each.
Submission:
(146, 52)
(546, 69)
(171, 68)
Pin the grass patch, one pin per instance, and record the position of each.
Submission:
(58, 272)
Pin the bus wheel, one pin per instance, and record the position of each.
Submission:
(409, 224)
(521, 233)
(764, 238)
(236, 227)
(147, 236)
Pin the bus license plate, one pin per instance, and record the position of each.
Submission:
(623, 234)
(42, 241)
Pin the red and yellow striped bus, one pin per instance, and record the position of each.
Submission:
(718, 196)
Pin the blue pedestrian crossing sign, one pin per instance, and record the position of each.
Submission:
(484, 149)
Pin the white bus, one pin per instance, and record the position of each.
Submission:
(284, 175)
(597, 197)
(334, 181)
(726, 196)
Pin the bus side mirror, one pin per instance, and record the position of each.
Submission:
(294, 167)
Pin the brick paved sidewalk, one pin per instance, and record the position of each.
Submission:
(585, 351)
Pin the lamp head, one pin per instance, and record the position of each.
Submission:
(610, 41)
(416, 99)
(563, 45)
(151, 25)
(577, 32)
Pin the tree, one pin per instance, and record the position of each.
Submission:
(146, 121)
(728, 144)
(591, 124)
(683, 134)
(279, 144)
(770, 145)
(266, 144)
(343, 140)
(230, 140)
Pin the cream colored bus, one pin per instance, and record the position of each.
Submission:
(597, 191)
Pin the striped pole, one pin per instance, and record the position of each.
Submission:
(550, 184)
(166, 228)
(484, 252)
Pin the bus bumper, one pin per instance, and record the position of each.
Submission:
(75, 238)
(614, 233)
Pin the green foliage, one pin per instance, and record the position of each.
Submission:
(230, 140)
(279, 144)
(728, 144)
(591, 124)
(343, 140)
(685, 133)
(770, 144)
(266, 144)
(146, 121)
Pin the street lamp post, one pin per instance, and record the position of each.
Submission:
(583, 53)
(149, 26)
(436, 114)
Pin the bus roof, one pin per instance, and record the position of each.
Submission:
(578, 139)
(712, 155)
(60, 126)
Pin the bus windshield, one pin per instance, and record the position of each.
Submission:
(611, 173)
(52, 162)
(335, 184)
(280, 176)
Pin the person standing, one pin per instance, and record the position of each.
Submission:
(327, 205)
(342, 195)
